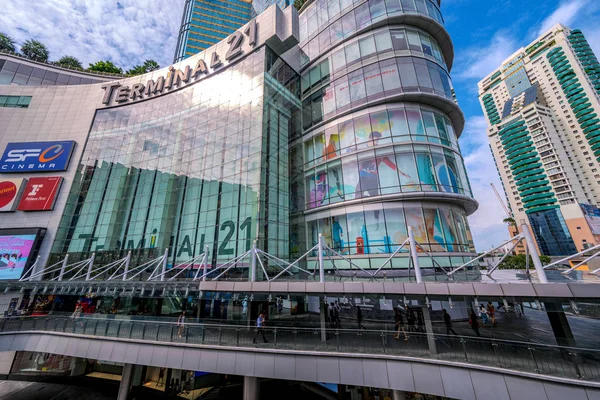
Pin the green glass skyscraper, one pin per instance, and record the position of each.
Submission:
(206, 22)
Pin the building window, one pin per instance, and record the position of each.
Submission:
(15, 101)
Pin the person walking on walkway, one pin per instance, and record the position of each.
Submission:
(484, 315)
(492, 312)
(448, 322)
(334, 317)
(474, 323)
(338, 311)
(411, 319)
(399, 324)
(181, 324)
(161, 378)
(359, 318)
(260, 322)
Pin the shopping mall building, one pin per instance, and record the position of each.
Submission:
(291, 128)
(307, 159)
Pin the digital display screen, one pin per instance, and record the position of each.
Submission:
(15, 251)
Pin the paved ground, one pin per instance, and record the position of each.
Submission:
(19, 390)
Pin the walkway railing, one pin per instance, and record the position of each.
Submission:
(554, 361)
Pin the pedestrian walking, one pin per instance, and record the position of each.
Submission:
(338, 310)
(359, 318)
(474, 323)
(181, 324)
(411, 319)
(161, 378)
(492, 313)
(279, 303)
(399, 324)
(334, 316)
(260, 322)
(448, 322)
(484, 315)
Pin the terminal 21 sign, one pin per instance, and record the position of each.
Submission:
(177, 78)
(37, 156)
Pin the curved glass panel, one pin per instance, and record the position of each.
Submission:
(338, 19)
(370, 83)
(361, 230)
(381, 44)
(389, 170)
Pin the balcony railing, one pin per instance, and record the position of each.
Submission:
(554, 361)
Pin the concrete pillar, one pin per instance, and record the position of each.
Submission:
(398, 395)
(560, 325)
(429, 330)
(251, 388)
(323, 318)
(78, 366)
(125, 382)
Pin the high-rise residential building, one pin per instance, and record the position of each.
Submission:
(207, 22)
(542, 105)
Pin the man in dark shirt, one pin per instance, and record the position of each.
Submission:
(448, 322)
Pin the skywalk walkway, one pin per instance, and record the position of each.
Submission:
(554, 362)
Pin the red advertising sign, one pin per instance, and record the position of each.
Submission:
(10, 191)
(40, 194)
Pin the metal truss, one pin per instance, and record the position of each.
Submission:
(86, 274)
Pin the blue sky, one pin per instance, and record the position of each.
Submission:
(485, 32)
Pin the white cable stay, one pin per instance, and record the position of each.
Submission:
(64, 269)
(518, 237)
(25, 277)
(45, 270)
(119, 264)
(180, 268)
(562, 260)
(139, 269)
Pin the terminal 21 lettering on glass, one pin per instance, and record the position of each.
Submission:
(37, 156)
(177, 78)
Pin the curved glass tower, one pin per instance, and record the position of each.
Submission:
(379, 148)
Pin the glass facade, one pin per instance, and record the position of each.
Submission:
(372, 163)
(325, 23)
(203, 166)
(551, 233)
(258, 6)
(359, 144)
(375, 230)
(207, 22)
(14, 73)
(15, 101)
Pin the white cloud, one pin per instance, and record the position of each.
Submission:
(565, 14)
(477, 62)
(126, 31)
(486, 223)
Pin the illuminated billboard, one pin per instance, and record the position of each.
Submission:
(592, 216)
(37, 156)
(10, 192)
(40, 194)
(18, 249)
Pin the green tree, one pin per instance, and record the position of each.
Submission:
(299, 3)
(510, 221)
(148, 66)
(69, 62)
(35, 50)
(520, 262)
(7, 43)
(105, 66)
